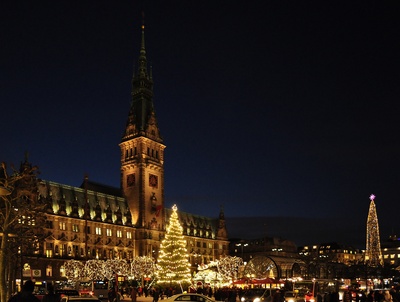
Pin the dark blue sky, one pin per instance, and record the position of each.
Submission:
(269, 108)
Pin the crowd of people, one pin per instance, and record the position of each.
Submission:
(233, 294)
(227, 294)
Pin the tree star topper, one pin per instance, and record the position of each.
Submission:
(372, 197)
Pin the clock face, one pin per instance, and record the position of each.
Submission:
(153, 181)
(130, 180)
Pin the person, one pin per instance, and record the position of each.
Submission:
(387, 297)
(277, 297)
(371, 296)
(26, 294)
(379, 297)
(51, 296)
(156, 295)
(363, 297)
(347, 296)
(111, 295)
(334, 296)
(133, 294)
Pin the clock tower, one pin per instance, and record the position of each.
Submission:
(142, 159)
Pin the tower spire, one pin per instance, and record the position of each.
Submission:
(142, 119)
(142, 72)
(142, 152)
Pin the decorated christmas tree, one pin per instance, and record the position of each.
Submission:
(173, 261)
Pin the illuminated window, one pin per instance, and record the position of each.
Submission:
(49, 249)
(75, 228)
(49, 253)
(61, 225)
(119, 234)
(98, 231)
(129, 235)
(63, 249)
(109, 232)
(386, 256)
(49, 271)
(392, 256)
(62, 271)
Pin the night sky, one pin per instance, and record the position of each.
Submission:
(287, 110)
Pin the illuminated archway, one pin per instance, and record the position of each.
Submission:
(260, 268)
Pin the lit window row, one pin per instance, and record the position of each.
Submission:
(130, 152)
(77, 251)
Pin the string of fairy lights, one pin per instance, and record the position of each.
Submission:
(172, 265)
(173, 261)
(106, 269)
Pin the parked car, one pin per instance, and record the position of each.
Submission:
(188, 297)
(83, 298)
(293, 296)
(255, 295)
(67, 292)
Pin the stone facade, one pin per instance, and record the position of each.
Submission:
(95, 221)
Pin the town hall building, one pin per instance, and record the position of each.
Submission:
(96, 221)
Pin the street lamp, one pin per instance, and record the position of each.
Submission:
(242, 245)
(313, 288)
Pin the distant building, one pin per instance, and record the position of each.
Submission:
(391, 251)
(328, 260)
(332, 252)
(267, 257)
(95, 221)
(266, 246)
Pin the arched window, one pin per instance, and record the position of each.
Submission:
(49, 271)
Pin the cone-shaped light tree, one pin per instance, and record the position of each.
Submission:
(173, 261)
(373, 253)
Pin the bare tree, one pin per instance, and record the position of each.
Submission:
(21, 218)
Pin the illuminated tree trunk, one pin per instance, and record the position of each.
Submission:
(3, 268)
